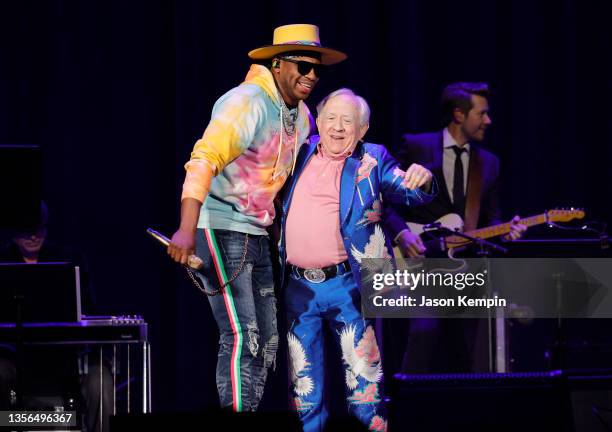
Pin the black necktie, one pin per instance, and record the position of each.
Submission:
(458, 195)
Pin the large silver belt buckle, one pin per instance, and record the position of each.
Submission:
(314, 275)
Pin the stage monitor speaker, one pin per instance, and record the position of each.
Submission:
(480, 402)
(220, 419)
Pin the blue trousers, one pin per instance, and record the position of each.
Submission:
(245, 312)
(336, 301)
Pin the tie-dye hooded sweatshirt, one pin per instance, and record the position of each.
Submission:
(250, 153)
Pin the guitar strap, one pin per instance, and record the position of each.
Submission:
(474, 191)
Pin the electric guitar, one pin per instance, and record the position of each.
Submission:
(454, 222)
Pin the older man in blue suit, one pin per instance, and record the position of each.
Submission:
(332, 222)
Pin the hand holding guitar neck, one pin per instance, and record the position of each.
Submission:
(193, 261)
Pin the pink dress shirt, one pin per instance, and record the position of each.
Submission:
(313, 238)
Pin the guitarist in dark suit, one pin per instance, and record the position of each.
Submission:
(468, 176)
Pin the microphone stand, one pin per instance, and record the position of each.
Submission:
(484, 246)
(16, 398)
(497, 359)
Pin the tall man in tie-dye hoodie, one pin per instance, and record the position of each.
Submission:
(236, 169)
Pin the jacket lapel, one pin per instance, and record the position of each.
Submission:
(348, 183)
(437, 168)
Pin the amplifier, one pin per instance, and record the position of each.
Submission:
(481, 402)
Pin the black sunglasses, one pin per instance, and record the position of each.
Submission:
(305, 67)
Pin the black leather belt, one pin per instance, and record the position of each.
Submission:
(318, 275)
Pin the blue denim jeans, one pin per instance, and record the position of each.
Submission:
(245, 312)
(337, 301)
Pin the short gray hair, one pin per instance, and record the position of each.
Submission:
(362, 106)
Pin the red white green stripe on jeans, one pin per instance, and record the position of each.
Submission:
(233, 319)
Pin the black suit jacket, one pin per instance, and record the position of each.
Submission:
(427, 150)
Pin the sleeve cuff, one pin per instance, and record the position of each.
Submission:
(400, 233)
(194, 179)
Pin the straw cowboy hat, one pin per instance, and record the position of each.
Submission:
(297, 37)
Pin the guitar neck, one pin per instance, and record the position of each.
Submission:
(495, 230)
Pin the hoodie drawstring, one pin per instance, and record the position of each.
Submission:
(295, 141)
(280, 147)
